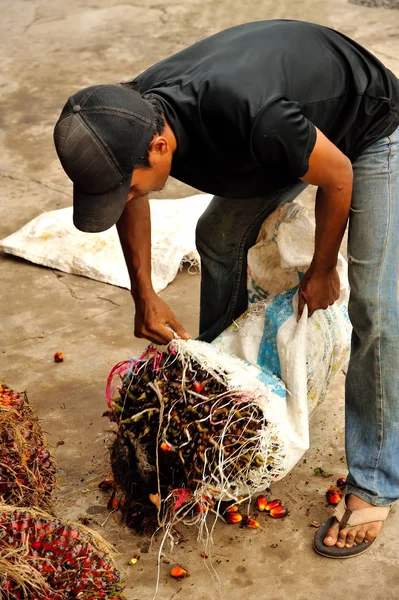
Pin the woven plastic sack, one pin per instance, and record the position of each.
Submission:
(295, 361)
(51, 240)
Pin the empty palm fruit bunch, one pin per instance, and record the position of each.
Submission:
(43, 558)
(180, 426)
(334, 494)
(27, 472)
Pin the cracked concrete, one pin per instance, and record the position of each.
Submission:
(50, 49)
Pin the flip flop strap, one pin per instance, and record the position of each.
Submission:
(347, 517)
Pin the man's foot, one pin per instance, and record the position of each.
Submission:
(352, 536)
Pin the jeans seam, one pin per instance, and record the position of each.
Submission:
(380, 395)
(240, 260)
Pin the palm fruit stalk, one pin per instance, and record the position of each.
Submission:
(43, 558)
(178, 425)
(27, 472)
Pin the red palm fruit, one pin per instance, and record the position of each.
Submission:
(166, 446)
(341, 483)
(261, 503)
(178, 572)
(107, 485)
(35, 543)
(252, 523)
(272, 505)
(73, 534)
(232, 509)
(278, 512)
(43, 454)
(197, 387)
(201, 508)
(333, 495)
(58, 357)
(24, 524)
(50, 527)
(233, 518)
(47, 567)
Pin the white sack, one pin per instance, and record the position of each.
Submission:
(295, 361)
(52, 240)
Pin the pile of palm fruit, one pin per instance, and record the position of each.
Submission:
(184, 439)
(41, 557)
(27, 471)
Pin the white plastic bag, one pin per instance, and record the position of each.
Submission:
(52, 240)
(295, 361)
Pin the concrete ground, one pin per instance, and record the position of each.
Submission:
(49, 49)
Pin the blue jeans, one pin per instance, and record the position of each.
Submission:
(228, 228)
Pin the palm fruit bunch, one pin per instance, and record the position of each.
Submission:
(42, 558)
(27, 472)
(181, 428)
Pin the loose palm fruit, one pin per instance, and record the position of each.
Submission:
(273, 504)
(261, 503)
(232, 518)
(178, 572)
(333, 495)
(278, 512)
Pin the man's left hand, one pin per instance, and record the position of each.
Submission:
(319, 289)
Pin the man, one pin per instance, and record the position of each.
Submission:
(252, 115)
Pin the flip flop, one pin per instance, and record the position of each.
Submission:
(347, 517)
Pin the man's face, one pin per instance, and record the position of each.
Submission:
(152, 179)
(146, 180)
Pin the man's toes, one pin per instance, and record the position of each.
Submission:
(368, 537)
(341, 539)
(350, 540)
(331, 535)
(359, 538)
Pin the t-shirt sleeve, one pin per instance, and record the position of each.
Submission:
(283, 137)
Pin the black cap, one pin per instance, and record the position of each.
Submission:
(101, 134)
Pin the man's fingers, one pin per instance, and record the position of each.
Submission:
(179, 330)
(155, 336)
(301, 304)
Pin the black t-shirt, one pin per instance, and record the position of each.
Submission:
(244, 103)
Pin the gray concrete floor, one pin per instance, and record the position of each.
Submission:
(50, 48)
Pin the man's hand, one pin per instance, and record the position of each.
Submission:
(319, 289)
(155, 321)
(331, 171)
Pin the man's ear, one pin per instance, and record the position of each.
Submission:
(159, 144)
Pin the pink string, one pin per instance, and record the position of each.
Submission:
(183, 494)
(119, 368)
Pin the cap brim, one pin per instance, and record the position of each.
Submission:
(94, 213)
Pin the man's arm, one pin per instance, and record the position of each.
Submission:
(152, 314)
(331, 171)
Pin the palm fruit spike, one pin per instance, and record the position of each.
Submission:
(57, 561)
(27, 472)
(208, 432)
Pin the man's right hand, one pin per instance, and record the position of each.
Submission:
(155, 321)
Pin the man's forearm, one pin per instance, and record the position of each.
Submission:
(332, 212)
(134, 229)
